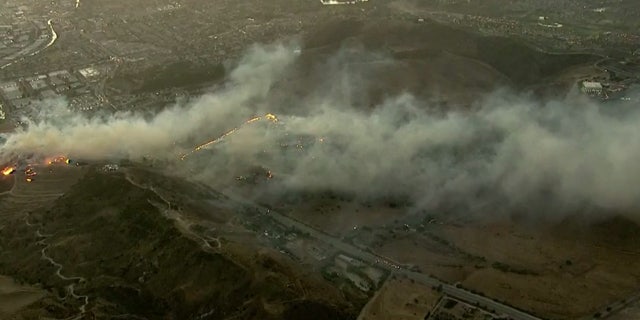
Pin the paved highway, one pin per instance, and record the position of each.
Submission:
(41, 43)
(615, 307)
(382, 262)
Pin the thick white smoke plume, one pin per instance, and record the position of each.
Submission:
(129, 135)
(508, 149)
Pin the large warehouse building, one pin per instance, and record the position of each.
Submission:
(591, 88)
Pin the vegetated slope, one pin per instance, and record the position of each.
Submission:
(362, 63)
(524, 65)
(521, 64)
(618, 230)
(180, 74)
(136, 263)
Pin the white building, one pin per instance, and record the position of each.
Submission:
(110, 167)
(89, 72)
(334, 2)
(591, 87)
(10, 90)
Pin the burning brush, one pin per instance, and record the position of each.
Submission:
(8, 170)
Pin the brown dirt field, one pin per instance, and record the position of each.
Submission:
(396, 300)
(338, 218)
(558, 277)
(14, 297)
(434, 260)
(6, 126)
(572, 75)
(631, 312)
(6, 183)
(574, 278)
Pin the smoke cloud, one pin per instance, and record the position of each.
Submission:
(130, 135)
(508, 150)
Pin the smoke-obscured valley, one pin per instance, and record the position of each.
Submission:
(507, 151)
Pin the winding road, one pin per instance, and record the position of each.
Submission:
(76, 279)
(32, 49)
(50, 183)
(183, 225)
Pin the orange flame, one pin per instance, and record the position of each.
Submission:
(269, 116)
(58, 159)
(252, 120)
(8, 170)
